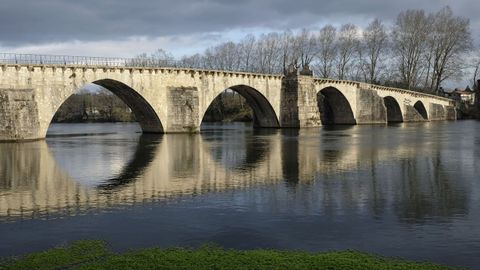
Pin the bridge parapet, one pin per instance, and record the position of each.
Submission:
(368, 86)
(151, 70)
(115, 63)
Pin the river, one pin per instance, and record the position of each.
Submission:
(405, 190)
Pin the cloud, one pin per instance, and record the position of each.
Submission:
(125, 27)
(128, 47)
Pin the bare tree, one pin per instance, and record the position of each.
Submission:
(327, 50)
(159, 58)
(409, 42)
(269, 52)
(247, 46)
(450, 38)
(162, 56)
(288, 56)
(475, 65)
(374, 43)
(227, 56)
(307, 47)
(196, 61)
(348, 42)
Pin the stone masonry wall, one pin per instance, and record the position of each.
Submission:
(289, 103)
(372, 109)
(450, 113)
(18, 115)
(412, 115)
(299, 106)
(437, 112)
(183, 110)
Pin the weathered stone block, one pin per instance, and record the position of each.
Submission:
(299, 102)
(450, 113)
(18, 115)
(372, 109)
(183, 113)
(412, 115)
(437, 112)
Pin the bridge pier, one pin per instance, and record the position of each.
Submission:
(370, 107)
(183, 117)
(298, 102)
(19, 119)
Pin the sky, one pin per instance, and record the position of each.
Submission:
(125, 28)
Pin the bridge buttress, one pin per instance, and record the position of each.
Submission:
(298, 102)
(183, 113)
(370, 108)
(19, 119)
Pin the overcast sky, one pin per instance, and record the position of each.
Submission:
(129, 27)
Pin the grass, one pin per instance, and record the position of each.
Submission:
(95, 255)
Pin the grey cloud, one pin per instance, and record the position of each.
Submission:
(34, 21)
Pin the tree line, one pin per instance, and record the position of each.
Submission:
(101, 106)
(418, 51)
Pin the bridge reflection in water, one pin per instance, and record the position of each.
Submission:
(364, 168)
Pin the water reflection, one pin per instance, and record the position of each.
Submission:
(379, 171)
(241, 150)
(144, 155)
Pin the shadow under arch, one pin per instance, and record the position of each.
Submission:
(421, 109)
(334, 107)
(394, 113)
(263, 113)
(143, 111)
(144, 155)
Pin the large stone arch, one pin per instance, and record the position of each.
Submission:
(263, 113)
(144, 113)
(334, 107)
(420, 108)
(394, 111)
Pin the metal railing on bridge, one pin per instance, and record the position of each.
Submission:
(137, 62)
(35, 59)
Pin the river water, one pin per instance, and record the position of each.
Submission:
(407, 190)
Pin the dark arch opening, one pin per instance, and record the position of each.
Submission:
(144, 113)
(394, 113)
(334, 108)
(108, 101)
(421, 109)
(263, 114)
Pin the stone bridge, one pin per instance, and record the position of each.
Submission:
(174, 100)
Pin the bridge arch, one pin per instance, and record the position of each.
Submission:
(421, 109)
(263, 113)
(334, 107)
(144, 113)
(394, 111)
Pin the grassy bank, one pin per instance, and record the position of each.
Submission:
(95, 255)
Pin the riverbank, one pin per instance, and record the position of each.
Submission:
(96, 255)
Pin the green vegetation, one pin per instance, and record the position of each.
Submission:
(95, 255)
(102, 106)
(228, 107)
